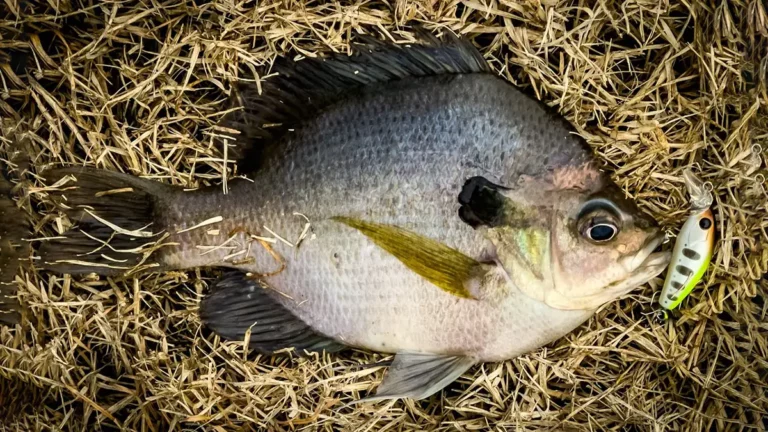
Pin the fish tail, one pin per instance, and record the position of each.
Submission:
(13, 251)
(14, 227)
(116, 228)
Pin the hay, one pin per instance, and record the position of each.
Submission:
(138, 86)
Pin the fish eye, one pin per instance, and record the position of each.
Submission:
(602, 232)
(599, 221)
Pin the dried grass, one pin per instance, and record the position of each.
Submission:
(138, 86)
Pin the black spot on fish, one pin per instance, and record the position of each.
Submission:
(481, 202)
(469, 218)
(685, 271)
(672, 297)
(690, 253)
(676, 285)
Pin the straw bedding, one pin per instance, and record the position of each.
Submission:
(139, 86)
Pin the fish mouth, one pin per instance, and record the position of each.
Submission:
(642, 266)
(647, 261)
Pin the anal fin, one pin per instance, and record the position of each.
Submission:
(418, 376)
(239, 303)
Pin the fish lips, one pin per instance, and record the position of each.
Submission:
(646, 260)
(643, 266)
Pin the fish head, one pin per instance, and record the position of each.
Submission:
(573, 248)
(602, 247)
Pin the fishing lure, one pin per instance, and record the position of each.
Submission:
(693, 248)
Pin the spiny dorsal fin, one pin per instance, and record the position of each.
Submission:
(303, 88)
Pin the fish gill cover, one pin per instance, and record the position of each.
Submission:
(141, 87)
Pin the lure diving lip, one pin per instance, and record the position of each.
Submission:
(693, 248)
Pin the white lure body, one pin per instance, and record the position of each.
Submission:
(693, 248)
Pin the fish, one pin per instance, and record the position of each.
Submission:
(403, 199)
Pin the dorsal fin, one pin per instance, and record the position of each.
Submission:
(303, 88)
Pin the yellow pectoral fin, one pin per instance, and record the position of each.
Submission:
(445, 267)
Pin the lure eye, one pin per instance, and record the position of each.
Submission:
(602, 232)
(705, 223)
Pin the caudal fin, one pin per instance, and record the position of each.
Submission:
(114, 215)
(13, 251)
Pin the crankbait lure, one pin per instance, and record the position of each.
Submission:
(693, 248)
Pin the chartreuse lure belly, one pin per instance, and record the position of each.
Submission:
(693, 248)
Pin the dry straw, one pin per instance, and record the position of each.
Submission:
(138, 86)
